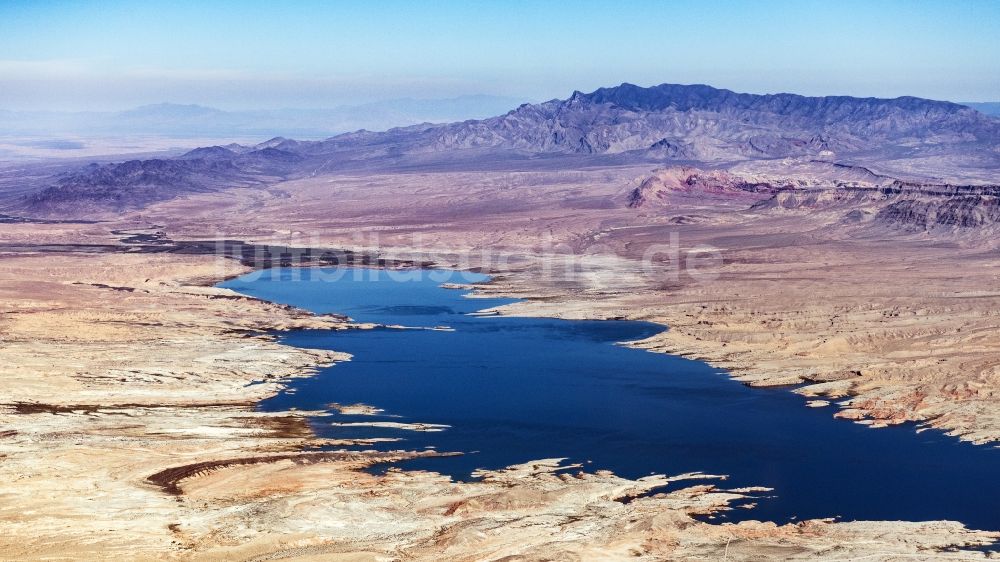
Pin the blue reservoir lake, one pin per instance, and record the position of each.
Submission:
(519, 389)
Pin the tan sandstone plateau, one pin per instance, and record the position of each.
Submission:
(127, 420)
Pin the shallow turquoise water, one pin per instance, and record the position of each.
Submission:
(518, 389)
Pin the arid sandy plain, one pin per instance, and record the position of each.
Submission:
(128, 428)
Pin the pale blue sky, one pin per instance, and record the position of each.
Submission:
(247, 54)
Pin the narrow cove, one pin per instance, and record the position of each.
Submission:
(512, 390)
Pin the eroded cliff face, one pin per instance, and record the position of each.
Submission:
(974, 215)
(831, 193)
(660, 186)
(961, 212)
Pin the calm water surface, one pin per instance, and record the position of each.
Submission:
(518, 389)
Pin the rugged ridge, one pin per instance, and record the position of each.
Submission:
(704, 123)
(136, 183)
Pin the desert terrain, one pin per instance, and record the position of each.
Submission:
(128, 421)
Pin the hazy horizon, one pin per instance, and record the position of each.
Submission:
(333, 107)
(256, 55)
(514, 99)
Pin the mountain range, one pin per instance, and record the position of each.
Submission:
(907, 137)
(702, 123)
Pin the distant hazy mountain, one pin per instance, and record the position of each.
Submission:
(195, 120)
(988, 107)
